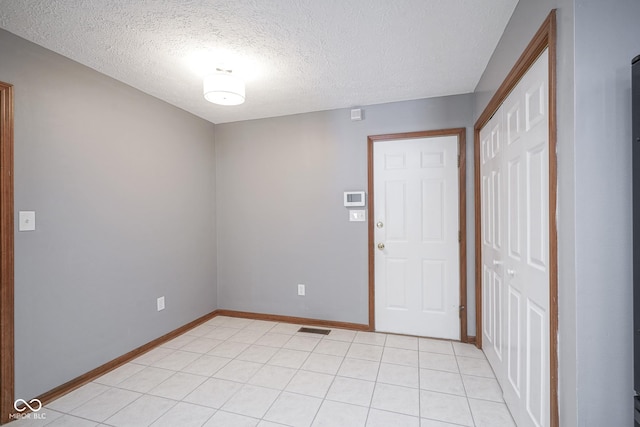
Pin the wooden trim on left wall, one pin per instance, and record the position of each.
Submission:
(7, 378)
(83, 379)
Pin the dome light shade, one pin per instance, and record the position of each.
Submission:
(223, 88)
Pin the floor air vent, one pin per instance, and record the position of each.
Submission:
(315, 331)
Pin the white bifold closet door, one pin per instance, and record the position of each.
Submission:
(515, 246)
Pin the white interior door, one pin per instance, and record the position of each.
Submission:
(417, 283)
(518, 350)
(491, 143)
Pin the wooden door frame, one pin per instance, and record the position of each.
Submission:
(7, 379)
(545, 38)
(462, 213)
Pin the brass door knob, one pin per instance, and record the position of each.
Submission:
(381, 246)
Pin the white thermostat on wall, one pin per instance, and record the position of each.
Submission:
(354, 198)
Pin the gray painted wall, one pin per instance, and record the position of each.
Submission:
(123, 189)
(281, 220)
(525, 21)
(596, 41)
(607, 37)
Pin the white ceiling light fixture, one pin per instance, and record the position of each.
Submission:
(224, 88)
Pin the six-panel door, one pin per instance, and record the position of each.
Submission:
(515, 249)
(417, 284)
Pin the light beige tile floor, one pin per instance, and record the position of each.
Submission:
(236, 372)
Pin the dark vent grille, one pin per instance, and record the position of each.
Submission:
(315, 331)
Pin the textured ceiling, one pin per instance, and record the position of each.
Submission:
(296, 55)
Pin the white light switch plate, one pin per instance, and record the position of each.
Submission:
(357, 215)
(27, 221)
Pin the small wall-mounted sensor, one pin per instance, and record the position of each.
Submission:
(354, 198)
(356, 114)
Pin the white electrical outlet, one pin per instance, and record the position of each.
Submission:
(357, 215)
(160, 303)
(301, 290)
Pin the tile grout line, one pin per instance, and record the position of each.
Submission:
(280, 392)
(466, 396)
(249, 379)
(375, 386)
